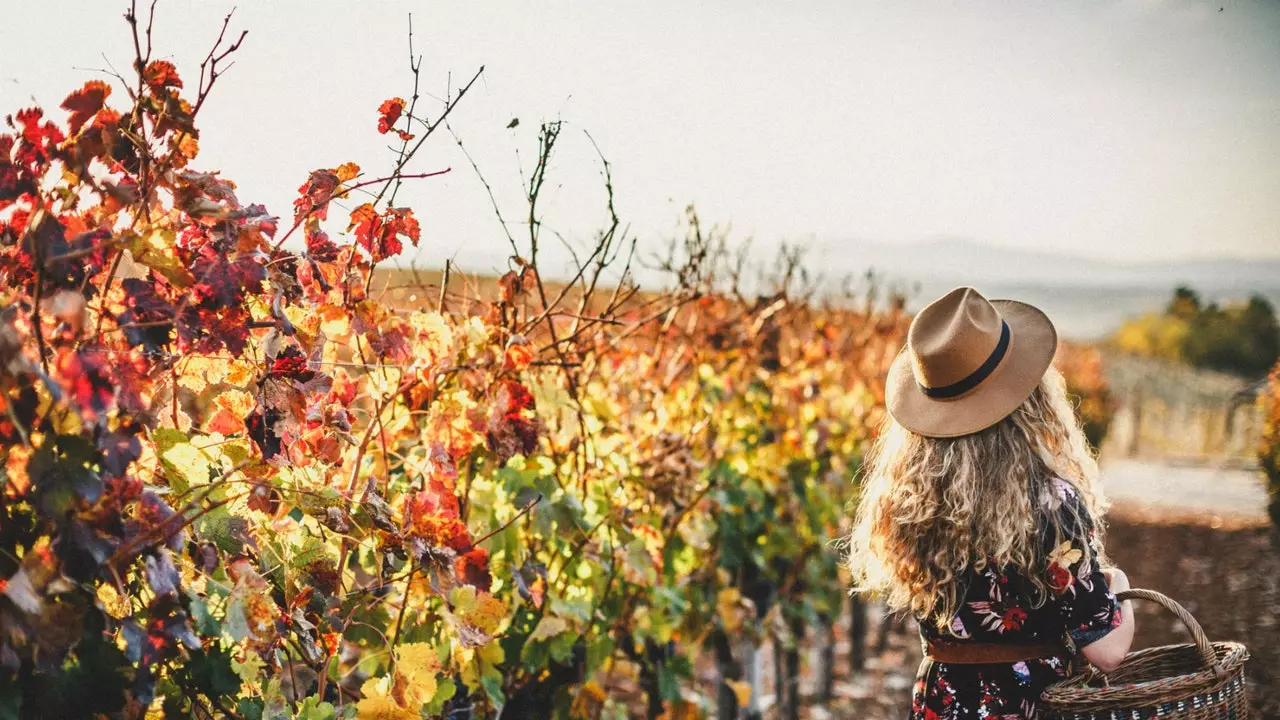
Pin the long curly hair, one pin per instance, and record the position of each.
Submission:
(932, 509)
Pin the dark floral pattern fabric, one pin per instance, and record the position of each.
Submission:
(998, 607)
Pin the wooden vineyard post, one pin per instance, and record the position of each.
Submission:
(857, 633)
(826, 658)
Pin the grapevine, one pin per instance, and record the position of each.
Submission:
(241, 481)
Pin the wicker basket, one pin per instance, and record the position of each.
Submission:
(1200, 681)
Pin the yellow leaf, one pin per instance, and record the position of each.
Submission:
(347, 171)
(417, 666)
(248, 670)
(383, 708)
(157, 251)
(549, 627)
(434, 340)
(15, 466)
(740, 689)
(729, 608)
(189, 147)
(189, 463)
(231, 409)
(113, 603)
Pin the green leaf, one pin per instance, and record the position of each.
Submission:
(492, 685)
(250, 708)
(445, 690)
(577, 608)
(549, 627)
(204, 621)
(220, 527)
(313, 709)
(562, 646)
(235, 622)
(599, 650)
(210, 672)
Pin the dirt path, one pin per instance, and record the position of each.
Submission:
(1200, 490)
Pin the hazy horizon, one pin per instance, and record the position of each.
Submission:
(1119, 132)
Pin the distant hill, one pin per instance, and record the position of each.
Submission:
(1086, 298)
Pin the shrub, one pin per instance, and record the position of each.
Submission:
(1269, 447)
(237, 482)
(1241, 338)
(1082, 367)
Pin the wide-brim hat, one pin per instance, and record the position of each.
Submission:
(968, 363)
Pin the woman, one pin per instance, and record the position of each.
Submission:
(981, 513)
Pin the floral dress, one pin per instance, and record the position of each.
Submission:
(996, 608)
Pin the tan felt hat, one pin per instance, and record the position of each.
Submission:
(968, 363)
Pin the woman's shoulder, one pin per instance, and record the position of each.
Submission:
(1065, 513)
(1059, 490)
(1060, 498)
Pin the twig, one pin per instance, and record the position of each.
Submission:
(528, 506)
(444, 285)
(488, 189)
(210, 63)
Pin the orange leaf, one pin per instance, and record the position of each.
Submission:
(188, 147)
(518, 355)
(85, 102)
(347, 171)
(389, 114)
(162, 73)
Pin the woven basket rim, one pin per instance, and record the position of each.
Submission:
(1072, 692)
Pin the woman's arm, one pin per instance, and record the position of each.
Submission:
(1109, 651)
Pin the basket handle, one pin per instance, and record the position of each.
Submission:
(1207, 655)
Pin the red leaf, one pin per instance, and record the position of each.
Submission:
(292, 364)
(380, 234)
(389, 113)
(320, 248)
(37, 143)
(162, 73)
(512, 428)
(472, 568)
(85, 103)
(86, 383)
(315, 195)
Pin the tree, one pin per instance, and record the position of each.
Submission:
(1240, 338)
(1185, 303)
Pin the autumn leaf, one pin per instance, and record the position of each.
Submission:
(548, 627)
(314, 195)
(188, 147)
(512, 427)
(472, 568)
(230, 409)
(346, 172)
(155, 249)
(518, 354)
(477, 615)
(85, 103)
(380, 234)
(161, 74)
(389, 114)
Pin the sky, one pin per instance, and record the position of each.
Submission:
(1131, 130)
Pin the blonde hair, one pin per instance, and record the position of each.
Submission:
(932, 509)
